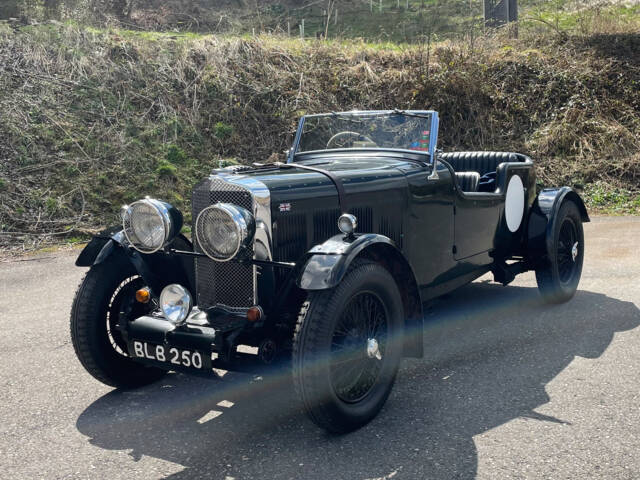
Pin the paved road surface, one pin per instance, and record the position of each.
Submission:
(510, 388)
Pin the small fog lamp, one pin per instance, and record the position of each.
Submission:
(175, 303)
(347, 223)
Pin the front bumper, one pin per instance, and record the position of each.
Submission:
(214, 333)
(160, 331)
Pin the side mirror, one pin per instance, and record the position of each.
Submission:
(434, 173)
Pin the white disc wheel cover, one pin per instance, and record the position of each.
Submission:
(514, 203)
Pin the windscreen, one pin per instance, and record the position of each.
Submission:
(410, 131)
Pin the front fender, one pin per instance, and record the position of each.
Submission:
(99, 247)
(541, 219)
(154, 268)
(327, 263)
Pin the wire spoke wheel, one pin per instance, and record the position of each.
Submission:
(124, 307)
(358, 347)
(347, 347)
(104, 302)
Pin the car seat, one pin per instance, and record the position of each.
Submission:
(468, 181)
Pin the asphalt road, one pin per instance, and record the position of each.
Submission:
(510, 388)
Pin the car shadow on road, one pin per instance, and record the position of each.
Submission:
(490, 352)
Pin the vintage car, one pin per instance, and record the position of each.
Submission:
(321, 264)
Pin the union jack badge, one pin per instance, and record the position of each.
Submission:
(285, 207)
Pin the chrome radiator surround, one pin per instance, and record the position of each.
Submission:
(232, 284)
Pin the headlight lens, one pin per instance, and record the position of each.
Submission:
(150, 224)
(175, 303)
(222, 229)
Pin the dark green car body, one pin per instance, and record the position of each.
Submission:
(421, 216)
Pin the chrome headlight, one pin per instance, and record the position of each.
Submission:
(175, 303)
(150, 224)
(222, 229)
(347, 223)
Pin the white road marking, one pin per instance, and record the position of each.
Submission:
(210, 415)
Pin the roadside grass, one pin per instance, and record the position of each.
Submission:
(603, 199)
(96, 118)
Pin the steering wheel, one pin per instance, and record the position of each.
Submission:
(347, 133)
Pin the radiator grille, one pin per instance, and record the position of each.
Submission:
(227, 283)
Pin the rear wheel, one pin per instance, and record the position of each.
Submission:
(559, 276)
(105, 299)
(347, 348)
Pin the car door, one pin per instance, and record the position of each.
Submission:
(476, 220)
(429, 230)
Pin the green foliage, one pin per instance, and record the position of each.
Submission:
(98, 131)
(175, 155)
(602, 197)
(51, 205)
(77, 239)
(165, 169)
(222, 131)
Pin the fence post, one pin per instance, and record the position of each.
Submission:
(500, 12)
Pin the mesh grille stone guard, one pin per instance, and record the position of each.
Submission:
(231, 284)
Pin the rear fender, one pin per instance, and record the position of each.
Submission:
(326, 264)
(156, 269)
(542, 216)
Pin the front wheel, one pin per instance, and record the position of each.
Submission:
(347, 348)
(559, 276)
(105, 298)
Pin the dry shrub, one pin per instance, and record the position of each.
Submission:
(93, 119)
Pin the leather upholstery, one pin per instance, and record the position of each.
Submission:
(488, 182)
(468, 181)
(481, 162)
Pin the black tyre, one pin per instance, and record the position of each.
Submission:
(559, 276)
(105, 297)
(347, 348)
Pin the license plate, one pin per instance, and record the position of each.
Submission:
(171, 356)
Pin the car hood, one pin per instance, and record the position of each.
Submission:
(359, 174)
